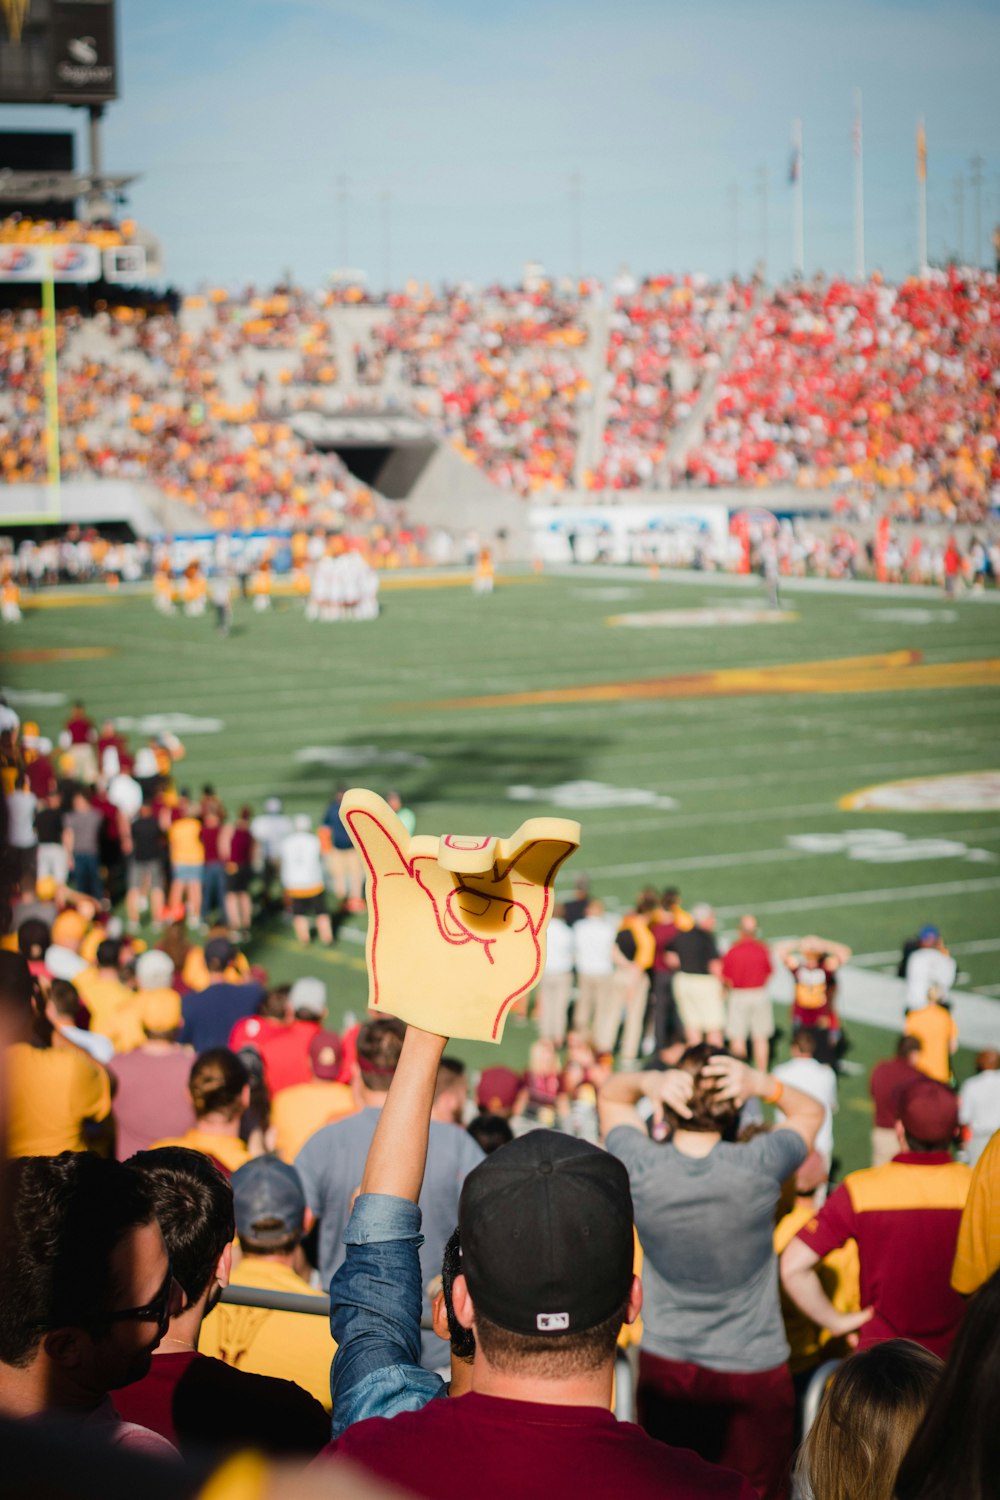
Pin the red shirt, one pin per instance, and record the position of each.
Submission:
(284, 1046)
(41, 778)
(210, 842)
(905, 1218)
(884, 1085)
(80, 730)
(201, 1403)
(663, 934)
(747, 965)
(497, 1449)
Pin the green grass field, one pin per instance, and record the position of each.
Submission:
(711, 789)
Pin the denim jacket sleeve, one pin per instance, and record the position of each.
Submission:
(376, 1299)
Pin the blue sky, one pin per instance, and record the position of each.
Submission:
(472, 117)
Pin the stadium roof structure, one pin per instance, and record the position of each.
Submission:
(60, 187)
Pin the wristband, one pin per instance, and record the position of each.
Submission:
(776, 1094)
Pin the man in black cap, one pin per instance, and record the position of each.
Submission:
(210, 1014)
(546, 1282)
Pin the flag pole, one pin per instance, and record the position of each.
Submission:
(922, 197)
(799, 249)
(859, 192)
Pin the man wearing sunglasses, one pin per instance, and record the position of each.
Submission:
(88, 1293)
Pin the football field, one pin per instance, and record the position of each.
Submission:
(699, 740)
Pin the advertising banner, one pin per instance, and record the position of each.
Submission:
(32, 262)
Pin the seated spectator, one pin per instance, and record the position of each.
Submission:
(956, 1450)
(904, 1217)
(210, 1014)
(546, 1282)
(197, 1402)
(283, 1032)
(713, 1367)
(979, 1104)
(271, 1219)
(299, 1111)
(872, 1407)
(95, 1292)
(331, 1164)
(219, 1086)
(54, 1094)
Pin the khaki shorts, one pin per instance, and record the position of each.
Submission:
(699, 1002)
(750, 1013)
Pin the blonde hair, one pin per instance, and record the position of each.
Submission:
(872, 1407)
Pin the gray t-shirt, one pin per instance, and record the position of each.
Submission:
(710, 1276)
(331, 1165)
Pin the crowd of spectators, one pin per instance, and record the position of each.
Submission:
(664, 339)
(105, 233)
(180, 1120)
(895, 386)
(500, 370)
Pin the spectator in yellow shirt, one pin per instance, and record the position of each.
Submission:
(297, 1112)
(114, 1009)
(934, 1027)
(52, 1092)
(220, 1092)
(187, 859)
(271, 1219)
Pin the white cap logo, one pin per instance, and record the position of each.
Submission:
(552, 1322)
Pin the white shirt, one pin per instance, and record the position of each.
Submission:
(270, 831)
(302, 863)
(558, 947)
(979, 1109)
(593, 939)
(21, 814)
(820, 1083)
(927, 966)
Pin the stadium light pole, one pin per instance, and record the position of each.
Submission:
(762, 193)
(734, 211)
(575, 191)
(798, 229)
(343, 206)
(385, 204)
(922, 197)
(958, 199)
(976, 166)
(859, 190)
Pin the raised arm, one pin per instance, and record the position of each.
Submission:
(619, 1095)
(398, 1152)
(802, 1112)
(376, 1296)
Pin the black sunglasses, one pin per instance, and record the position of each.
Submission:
(157, 1311)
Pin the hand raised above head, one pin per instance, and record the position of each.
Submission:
(456, 925)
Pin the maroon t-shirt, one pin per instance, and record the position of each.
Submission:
(152, 1102)
(210, 842)
(496, 1449)
(887, 1079)
(200, 1403)
(663, 934)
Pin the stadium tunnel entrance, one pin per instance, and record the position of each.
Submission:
(387, 451)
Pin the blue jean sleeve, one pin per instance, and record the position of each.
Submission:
(376, 1298)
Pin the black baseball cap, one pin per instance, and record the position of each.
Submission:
(547, 1239)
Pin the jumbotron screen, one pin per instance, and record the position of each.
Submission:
(57, 52)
